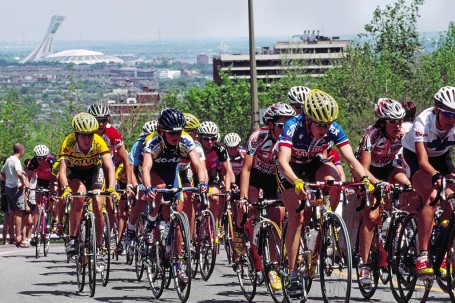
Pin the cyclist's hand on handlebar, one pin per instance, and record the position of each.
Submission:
(150, 193)
(386, 186)
(436, 180)
(130, 190)
(66, 193)
(113, 193)
(299, 188)
(202, 187)
(368, 184)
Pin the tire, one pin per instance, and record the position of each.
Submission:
(47, 234)
(227, 241)
(373, 259)
(391, 245)
(39, 234)
(335, 260)
(412, 289)
(207, 252)
(105, 255)
(154, 268)
(271, 241)
(91, 252)
(179, 225)
(140, 250)
(450, 262)
(81, 258)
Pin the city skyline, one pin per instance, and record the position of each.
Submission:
(111, 20)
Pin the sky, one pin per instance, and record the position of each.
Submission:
(28, 20)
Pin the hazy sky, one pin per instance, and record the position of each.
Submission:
(176, 19)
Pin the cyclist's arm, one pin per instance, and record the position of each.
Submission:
(226, 169)
(198, 166)
(245, 176)
(62, 173)
(357, 169)
(365, 160)
(124, 156)
(134, 180)
(110, 170)
(422, 158)
(284, 156)
(146, 168)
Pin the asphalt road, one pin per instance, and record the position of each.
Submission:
(50, 279)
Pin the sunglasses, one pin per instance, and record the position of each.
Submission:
(84, 136)
(448, 115)
(174, 133)
(279, 125)
(393, 122)
(209, 138)
(41, 158)
(322, 125)
(102, 120)
(297, 106)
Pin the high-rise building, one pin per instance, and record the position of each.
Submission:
(45, 48)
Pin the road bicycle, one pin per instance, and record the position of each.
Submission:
(89, 256)
(42, 229)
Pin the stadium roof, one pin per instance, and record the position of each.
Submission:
(81, 56)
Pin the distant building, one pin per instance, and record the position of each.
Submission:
(202, 59)
(142, 103)
(170, 74)
(81, 56)
(313, 54)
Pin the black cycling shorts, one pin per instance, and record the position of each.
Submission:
(92, 178)
(306, 172)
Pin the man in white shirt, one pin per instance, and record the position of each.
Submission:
(14, 178)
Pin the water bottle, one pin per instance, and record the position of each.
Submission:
(257, 228)
(385, 228)
(313, 233)
(162, 228)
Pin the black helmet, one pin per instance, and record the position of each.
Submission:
(171, 119)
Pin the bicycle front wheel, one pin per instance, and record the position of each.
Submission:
(81, 258)
(46, 238)
(91, 252)
(39, 233)
(180, 255)
(104, 254)
(393, 234)
(207, 252)
(335, 260)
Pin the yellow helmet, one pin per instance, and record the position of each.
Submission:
(320, 106)
(192, 123)
(84, 123)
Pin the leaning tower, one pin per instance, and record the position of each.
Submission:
(45, 48)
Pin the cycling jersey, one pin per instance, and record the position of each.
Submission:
(304, 146)
(382, 148)
(237, 161)
(168, 157)
(186, 163)
(55, 168)
(43, 172)
(136, 156)
(261, 146)
(120, 173)
(215, 156)
(424, 130)
(77, 159)
(112, 138)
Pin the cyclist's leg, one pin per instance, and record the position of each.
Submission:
(189, 209)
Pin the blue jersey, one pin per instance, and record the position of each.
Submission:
(136, 156)
(304, 146)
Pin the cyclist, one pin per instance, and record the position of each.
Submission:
(135, 158)
(163, 151)
(426, 159)
(259, 173)
(83, 155)
(218, 166)
(303, 152)
(378, 149)
(297, 96)
(236, 155)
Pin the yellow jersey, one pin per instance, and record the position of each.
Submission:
(77, 159)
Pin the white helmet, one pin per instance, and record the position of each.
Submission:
(445, 98)
(41, 150)
(389, 109)
(232, 140)
(208, 128)
(297, 94)
(99, 110)
(276, 111)
(149, 127)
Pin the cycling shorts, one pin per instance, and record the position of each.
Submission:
(265, 182)
(442, 163)
(92, 178)
(305, 171)
(382, 173)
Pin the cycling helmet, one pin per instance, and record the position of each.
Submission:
(320, 107)
(297, 94)
(232, 140)
(445, 98)
(276, 111)
(84, 123)
(149, 127)
(208, 128)
(41, 150)
(389, 109)
(99, 110)
(171, 119)
(192, 123)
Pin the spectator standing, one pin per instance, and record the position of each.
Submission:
(14, 178)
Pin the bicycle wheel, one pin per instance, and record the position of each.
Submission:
(393, 234)
(180, 260)
(140, 249)
(383, 268)
(90, 241)
(269, 245)
(335, 260)
(368, 291)
(412, 289)
(303, 266)
(104, 253)
(449, 278)
(207, 252)
(46, 238)
(81, 258)
(227, 240)
(196, 248)
(39, 233)
(154, 267)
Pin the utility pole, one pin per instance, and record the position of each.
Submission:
(253, 75)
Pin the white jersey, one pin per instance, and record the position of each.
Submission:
(424, 130)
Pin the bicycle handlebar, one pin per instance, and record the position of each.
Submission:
(441, 194)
